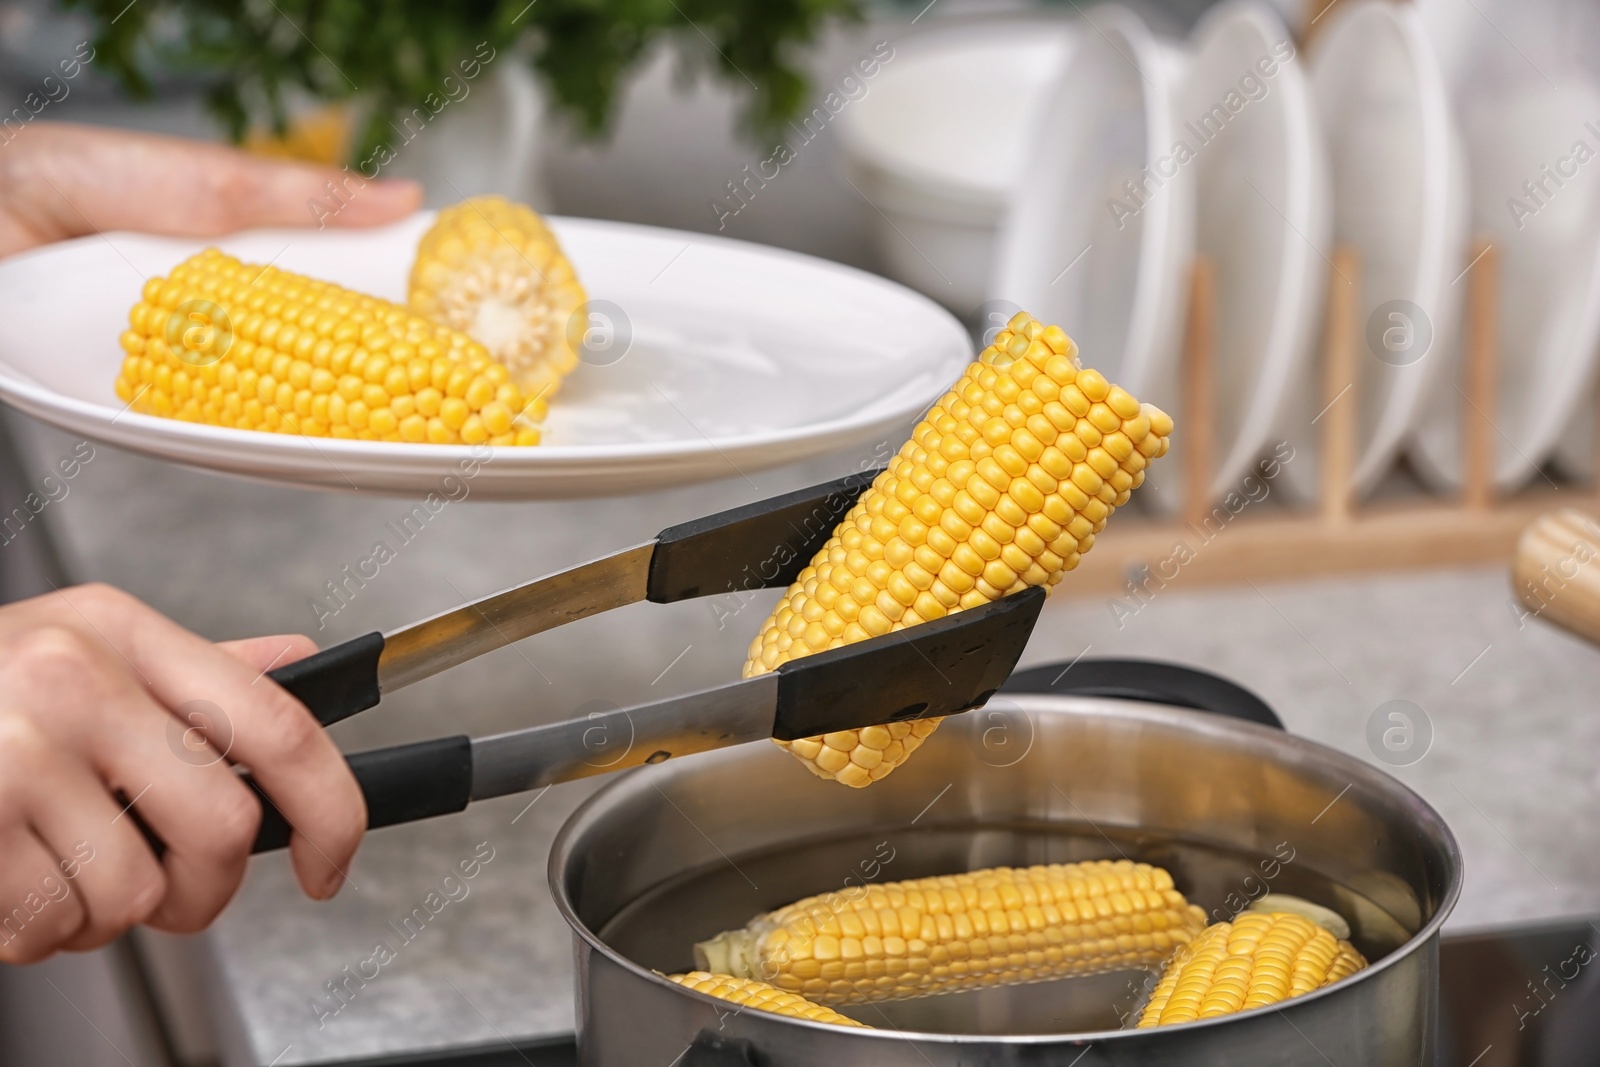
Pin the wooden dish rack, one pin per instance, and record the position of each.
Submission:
(1336, 535)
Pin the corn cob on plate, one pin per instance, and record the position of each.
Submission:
(252, 347)
(1005, 484)
(725, 353)
(493, 270)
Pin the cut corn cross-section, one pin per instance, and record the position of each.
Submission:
(493, 270)
(761, 997)
(1004, 485)
(1259, 958)
(998, 926)
(253, 347)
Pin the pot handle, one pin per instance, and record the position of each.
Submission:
(1151, 681)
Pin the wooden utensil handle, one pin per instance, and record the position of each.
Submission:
(1556, 571)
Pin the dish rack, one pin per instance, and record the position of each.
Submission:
(1205, 543)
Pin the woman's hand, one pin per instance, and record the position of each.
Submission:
(106, 703)
(59, 180)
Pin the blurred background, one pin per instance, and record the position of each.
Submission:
(1354, 246)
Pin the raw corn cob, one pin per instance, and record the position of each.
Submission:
(761, 997)
(1003, 485)
(1259, 958)
(998, 926)
(493, 270)
(257, 348)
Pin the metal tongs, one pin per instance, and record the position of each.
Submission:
(935, 668)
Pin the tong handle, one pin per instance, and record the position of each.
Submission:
(763, 545)
(336, 682)
(403, 783)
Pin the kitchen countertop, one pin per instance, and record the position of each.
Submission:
(1512, 765)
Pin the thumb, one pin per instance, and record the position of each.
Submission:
(270, 652)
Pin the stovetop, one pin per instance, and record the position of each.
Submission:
(1521, 997)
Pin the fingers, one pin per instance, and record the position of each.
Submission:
(69, 180)
(38, 910)
(272, 193)
(244, 714)
(189, 796)
(116, 881)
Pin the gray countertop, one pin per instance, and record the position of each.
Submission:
(1512, 766)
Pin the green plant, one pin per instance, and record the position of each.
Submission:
(391, 55)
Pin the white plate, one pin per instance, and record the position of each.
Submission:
(741, 357)
(939, 140)
(1112, 276)
(1264, 218)
(1400, 201)
(1524, 85)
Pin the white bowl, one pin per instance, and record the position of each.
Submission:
(1263, 212)
(1400, 201)
(938, 142)
(1076, 249)
(1524, 98)
(712, 358)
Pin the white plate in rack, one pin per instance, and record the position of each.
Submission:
(1525, 85)
(1078, 248)
(1264, 215)
(1400, 201)
(727, 357)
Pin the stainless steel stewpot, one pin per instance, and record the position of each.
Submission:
(671, 854)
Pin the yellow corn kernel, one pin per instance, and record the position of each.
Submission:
(1259, 958)
(1000, 926)
(251, 347)
(965, 492)
(761, 997)
(493, 270)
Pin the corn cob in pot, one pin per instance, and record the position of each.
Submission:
(1259, 958)
(1004, 485)
(760, 996)
(999, 926)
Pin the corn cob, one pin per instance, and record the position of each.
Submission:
(1326, 918)
(941, 935)
(256, 348)
(761, 997)
(1003, 485)
(1258, 959)
(493, 270)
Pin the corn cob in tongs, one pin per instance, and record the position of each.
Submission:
(941, 668)
(1000, 491)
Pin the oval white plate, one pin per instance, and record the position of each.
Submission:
(1400, 201)
(939, 141)
(1077, 249)
(741, 357)
(1525, 93)
(1264, 217)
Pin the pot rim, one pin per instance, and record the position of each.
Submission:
(1186, 718)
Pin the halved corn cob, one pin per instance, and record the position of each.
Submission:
(493, 270)
(761, 997)
(998, 926)
(1003, 485)
(257, 348)
(1258, 959)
